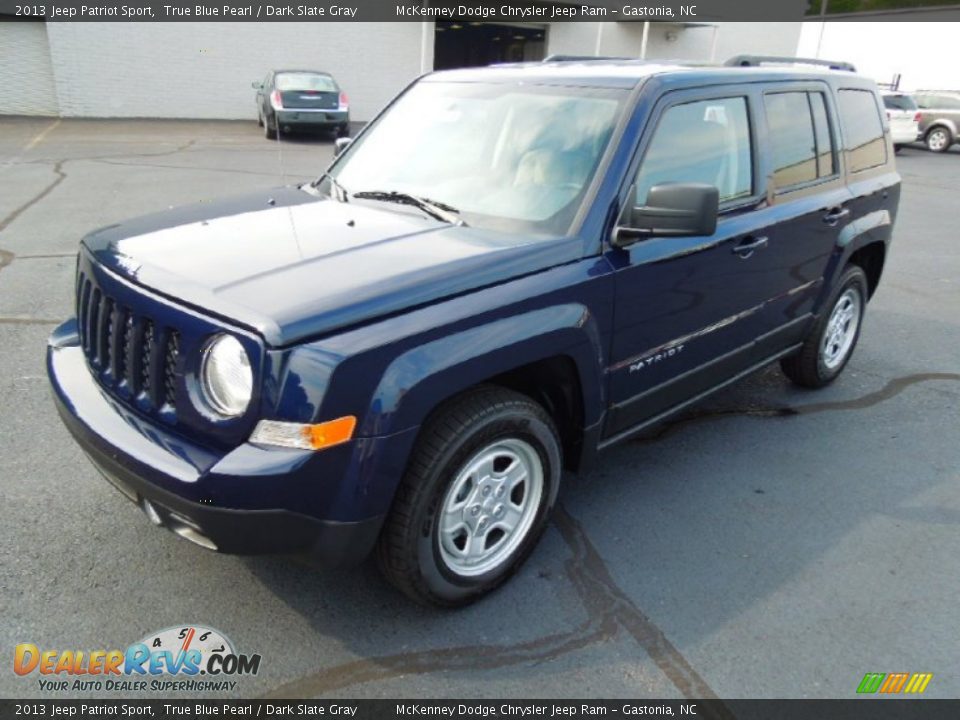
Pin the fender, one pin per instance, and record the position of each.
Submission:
(416, 381)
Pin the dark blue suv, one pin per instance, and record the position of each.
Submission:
(509, 269)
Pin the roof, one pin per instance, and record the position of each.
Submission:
(301, 70)
(627, 73)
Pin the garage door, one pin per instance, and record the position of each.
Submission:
(27, 86)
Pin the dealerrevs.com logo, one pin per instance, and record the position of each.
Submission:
(186, 658)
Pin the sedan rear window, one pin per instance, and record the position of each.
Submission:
(899, 102)
(305, 81)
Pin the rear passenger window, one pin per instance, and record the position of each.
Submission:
(792, 140)
(707, 141)
(862, 129)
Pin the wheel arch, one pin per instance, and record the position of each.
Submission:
(552, 355)
(950, 126)
(870, 258)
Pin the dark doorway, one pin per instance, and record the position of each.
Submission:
(472, 44)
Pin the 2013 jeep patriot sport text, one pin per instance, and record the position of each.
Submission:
(508, 269)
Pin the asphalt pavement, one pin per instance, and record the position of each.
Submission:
(773, 542)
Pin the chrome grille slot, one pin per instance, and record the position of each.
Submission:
(105, 338)
(146, 364)
(83, 315)
(123, 363)
(170, 368)
(93, 326)
(129, 354)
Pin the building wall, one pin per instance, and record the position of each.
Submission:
(204, 70)
(675, 41)
(26, 73)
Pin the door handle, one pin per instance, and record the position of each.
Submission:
(835, 215)
(750, 244)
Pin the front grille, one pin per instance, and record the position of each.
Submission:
(131, 354)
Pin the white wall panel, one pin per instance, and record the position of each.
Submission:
(204, 70)
(26, 74)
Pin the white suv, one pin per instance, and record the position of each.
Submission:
(904, 117)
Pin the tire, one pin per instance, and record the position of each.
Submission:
(259, 119)
(938, 139)
(434, 547)
(271, 132)
(831, 341)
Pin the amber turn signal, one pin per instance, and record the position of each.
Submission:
(304, 436)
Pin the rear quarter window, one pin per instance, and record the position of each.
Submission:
(862, 129)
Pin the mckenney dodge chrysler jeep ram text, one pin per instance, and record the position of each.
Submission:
(508, 269)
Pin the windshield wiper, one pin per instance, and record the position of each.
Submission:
(340, 191)
(433, 208)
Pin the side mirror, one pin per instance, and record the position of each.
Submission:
(256, 85)
(672, 210)
(340, 145)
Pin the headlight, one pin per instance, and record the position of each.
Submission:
(226, 375)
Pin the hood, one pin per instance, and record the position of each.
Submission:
(291, 265)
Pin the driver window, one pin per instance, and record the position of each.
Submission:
(707, 141)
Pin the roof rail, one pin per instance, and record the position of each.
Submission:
(582, 58)
(757, 60)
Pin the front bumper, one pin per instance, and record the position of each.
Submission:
(166, 477)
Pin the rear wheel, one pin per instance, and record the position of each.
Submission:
(831, 341)
(938, 139)
(474, 500)
(270, 133)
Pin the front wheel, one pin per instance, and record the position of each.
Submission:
(830, 343)
(474, 500)
(938, 139)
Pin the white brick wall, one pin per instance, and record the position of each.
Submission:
(26, 75)
(692, 43)
(204, 70)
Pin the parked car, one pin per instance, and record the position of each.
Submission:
(510, 269)
(904, 118)
(939, 118)
(301, 100)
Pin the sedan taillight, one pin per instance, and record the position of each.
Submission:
(276, 101)
(344, 101)
(917, 118)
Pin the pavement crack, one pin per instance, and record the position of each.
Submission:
(608, 609)
(597, 588)
(17, 212)
(890, 390)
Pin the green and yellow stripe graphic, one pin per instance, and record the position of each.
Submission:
(893, 683)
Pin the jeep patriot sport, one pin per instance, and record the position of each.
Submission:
(508, 269)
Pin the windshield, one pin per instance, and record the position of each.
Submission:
(305, 81)
(509, 157)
